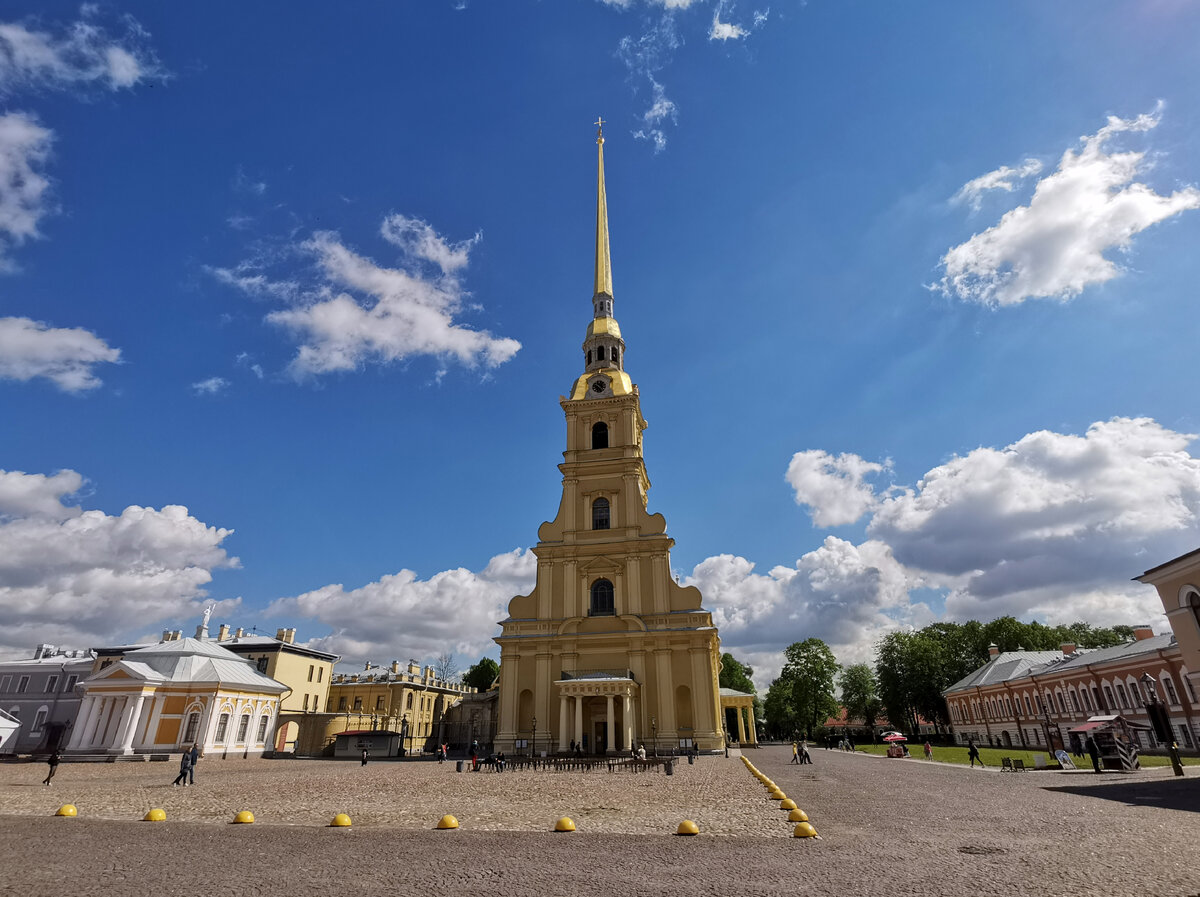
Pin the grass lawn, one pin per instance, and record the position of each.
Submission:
(991, 756)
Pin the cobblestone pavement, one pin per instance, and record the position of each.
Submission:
(887, 827)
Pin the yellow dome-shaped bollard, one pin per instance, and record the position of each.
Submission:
(447, 821)
(341, 820)
(566, 824)
(687, 827)
(245, 817)
(804, 830)
(797, 815)
(67, 810)
(776, 794)
(787, 804)
(155, 815)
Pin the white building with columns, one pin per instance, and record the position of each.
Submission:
(166, 697)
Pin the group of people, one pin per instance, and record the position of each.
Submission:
(800, 754)
(187, 767)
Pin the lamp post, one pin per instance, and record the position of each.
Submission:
(405, 733)
(1157, 715)
(533, 749)
(654, 734)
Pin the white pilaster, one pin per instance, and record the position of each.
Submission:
(562, 723)
(612, 724)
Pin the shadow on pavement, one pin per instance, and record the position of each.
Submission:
(1168, 794)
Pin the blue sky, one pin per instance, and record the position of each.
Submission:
(908, 292)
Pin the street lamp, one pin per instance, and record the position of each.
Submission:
(1157, 715)
(533, 750)
(406, 732)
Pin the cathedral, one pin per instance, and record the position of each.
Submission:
(607, 652)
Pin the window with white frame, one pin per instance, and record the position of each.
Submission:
(51, 684)
(1108, 696)
(193, 723)
(1135, 693)
(1075, 701)
(1187, 683)
(39, 720)
(1169, 686)
(5, 683)
(222, 727)
(22, 685)
(70, 687)
(243, 728)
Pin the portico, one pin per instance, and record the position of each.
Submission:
(589, 701)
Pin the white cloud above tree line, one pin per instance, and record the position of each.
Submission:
(1058, 244)
(79, 578)
(356, 312)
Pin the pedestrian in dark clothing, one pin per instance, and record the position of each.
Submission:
(185, 765)
(1094, 752)
(973, 754)
(195, 755)
(54, 759)
(364, 756)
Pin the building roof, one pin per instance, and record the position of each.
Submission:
(193, 660)
(266, 642)
(1022, 664)
(1006, 666)
(734, 693)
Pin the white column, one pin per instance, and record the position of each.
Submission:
(151, 736)
(627, 720)
(125, 743)
(753, 728)
(94, 724)
(87, 710)
(119, 713)
(562, 723)
(612, 724)
(741, 727)
(578, 719)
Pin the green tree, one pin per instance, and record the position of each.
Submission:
(736, 675)
(481, 675)
(859, 693)
(781, 721)
(810, 668)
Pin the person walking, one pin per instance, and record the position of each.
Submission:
(365, 755)
(795, 753)
(928, 751)
(53, 760)
(185, 766)
(1093, 752)
(195, 755)
(973, 754)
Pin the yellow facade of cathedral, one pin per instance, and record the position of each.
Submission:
(608, 652)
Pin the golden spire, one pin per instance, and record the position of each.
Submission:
(603, 263)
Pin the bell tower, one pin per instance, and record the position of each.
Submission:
(608, 651)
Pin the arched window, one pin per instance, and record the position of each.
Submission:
(600, 513)
(602, 598)
(243, 728)
(599, 435)
(599, 353)
(1075, 700)
(589, 356)
(1121, 696)
(262, 729)
(222, 725)
(193, 723)
(1170, 688)
(616, 355)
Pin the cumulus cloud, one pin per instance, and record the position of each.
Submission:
(64, 356)
(1050, 517)
(79, 54)
(402, 616)
(24, 147)
(1055, 246)
(359, 312)
(833, 488)
(1003, 178)
(78, 577)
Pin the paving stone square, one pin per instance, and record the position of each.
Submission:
(887, 826)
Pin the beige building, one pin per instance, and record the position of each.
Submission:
(305, 671)
(607, 651)
(412, 702)
(1178, 585)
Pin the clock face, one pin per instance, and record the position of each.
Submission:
(599, 385)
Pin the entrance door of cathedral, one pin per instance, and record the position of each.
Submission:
(601, 737)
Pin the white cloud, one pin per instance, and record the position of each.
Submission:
(211, 386)
(1050, 519)
(24, 147)
(834, 488)
(403, 616)
(64, 356)
(82, 53)
(420, 241)
(724, 31)
(81, 577)
(1003, 178)
(359, 312)
(1055, 246)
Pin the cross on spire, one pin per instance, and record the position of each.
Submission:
(599, 127)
